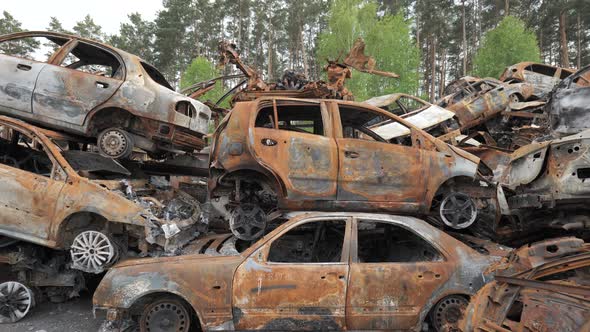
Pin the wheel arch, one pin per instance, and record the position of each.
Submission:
(109, 116)
(137, 305)
(448, 183)
(77, 221)
(268, 178)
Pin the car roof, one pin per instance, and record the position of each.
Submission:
(39, 33)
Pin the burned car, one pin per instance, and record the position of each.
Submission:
(93, 90)
(543, 185)
(305, 154)
(544, 286)
(543, 77)
(317, 271)
(69, 199)
(492, 106)
(569, 106)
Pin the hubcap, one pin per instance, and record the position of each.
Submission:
(247, 221)
(458, 210)
(91, 251)
(448, 313)
(15, 301)
(166, 316)
(113, 143)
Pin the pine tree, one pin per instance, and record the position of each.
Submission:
(136, 37)
(87, 28)
(23, 48)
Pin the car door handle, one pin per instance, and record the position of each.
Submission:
(351, 154)
(102, 85)
(23, 67)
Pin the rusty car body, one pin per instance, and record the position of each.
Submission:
(293, 85)
(94, 90)
(489, 105)
(569, 106)
(540, 287)
(544, 183)
(541, 76)
(69, 199)
(305, 154)
(318, 271)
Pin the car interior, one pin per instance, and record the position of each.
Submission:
(311, 242)
(23, 152)
(383, 242)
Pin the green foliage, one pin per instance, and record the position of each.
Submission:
(509, 43)
(88, 29)
(22, 48)
(388, 39)
(201, 70)
(136, 37)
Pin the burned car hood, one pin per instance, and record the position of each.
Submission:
(82, 161)
(207, 247)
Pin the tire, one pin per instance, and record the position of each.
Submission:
(167, 314)
(17, 301)
(115, 143)
(447, 313)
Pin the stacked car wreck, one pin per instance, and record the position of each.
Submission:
(307, 210)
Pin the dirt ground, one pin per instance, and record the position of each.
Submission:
(71, 316)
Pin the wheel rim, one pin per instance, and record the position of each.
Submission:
(448, 313)
(458, 210)
(91, 251)
(514, 99)
(247, 221)
(165, 316)
(113, 143)
(16, 300)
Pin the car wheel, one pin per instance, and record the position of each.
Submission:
(447, 313)
(115, 143)
(247, 221)
(16, 300)
(165, 315)
(93, 252)
(458, 210)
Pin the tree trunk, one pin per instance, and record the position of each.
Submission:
(565, 61)
(433, 69)
(506, 7)
(270, 50)
(443, 72)
(303, 53)
(579, 62)
(464, 43)
(419, 48)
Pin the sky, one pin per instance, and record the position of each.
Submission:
(35, 14)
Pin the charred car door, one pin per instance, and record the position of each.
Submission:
(82, 79)
(30, 185)
(298, 147)
(19, 67)
(297, 280)
(377, 160)
(394, 271)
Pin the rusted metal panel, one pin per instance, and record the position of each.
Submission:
(539, 288)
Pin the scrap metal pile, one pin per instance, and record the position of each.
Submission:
(306, 210)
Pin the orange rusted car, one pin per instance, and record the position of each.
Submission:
(317, 271)
(296, 154)
(60, 197)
